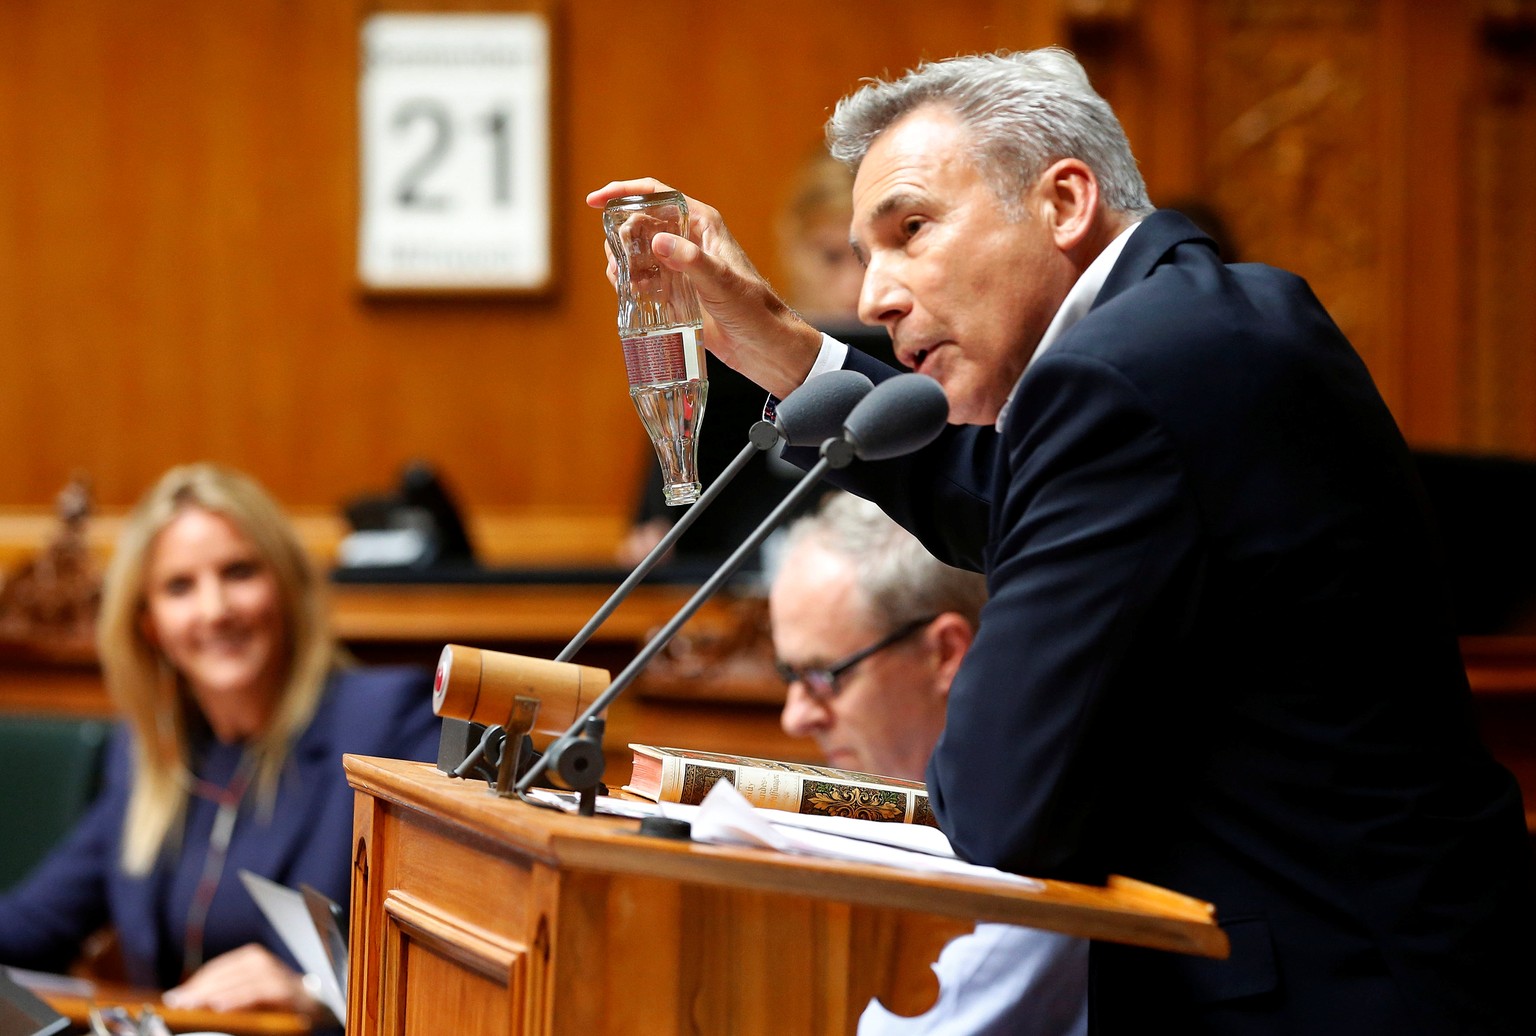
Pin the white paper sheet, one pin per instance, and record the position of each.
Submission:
(727, 818)
(284, 908)
(730, 819)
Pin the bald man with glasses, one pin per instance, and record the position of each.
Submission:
(867, 730)
(869, 630)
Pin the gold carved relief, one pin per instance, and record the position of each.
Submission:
(1290, 101)
(48, 604)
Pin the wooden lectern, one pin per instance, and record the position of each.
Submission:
(477, 915)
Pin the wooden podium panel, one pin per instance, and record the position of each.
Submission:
(475, 914)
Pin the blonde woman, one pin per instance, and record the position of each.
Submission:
(237, 705)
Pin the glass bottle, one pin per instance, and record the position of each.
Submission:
(661, 330)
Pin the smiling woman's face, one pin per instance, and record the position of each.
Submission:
(214, 607)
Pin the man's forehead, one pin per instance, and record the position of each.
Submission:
(811, 573)
(913, 163)
(816, 590)
(922, 140)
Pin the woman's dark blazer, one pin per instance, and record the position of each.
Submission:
(307, 840)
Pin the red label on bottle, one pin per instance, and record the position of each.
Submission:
(652, 359)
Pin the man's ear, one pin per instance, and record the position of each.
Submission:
(1068, 201)
(950, 636)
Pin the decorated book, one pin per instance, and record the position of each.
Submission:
(685, 776)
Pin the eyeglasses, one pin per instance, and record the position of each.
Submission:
(821, 681)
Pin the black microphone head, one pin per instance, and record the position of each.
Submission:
(816, 410)
(900, 415)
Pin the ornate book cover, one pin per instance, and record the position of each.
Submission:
(685, 776)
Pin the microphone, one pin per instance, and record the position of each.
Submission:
(816, 411)
(898, 416)
(807, 416)
(909, 414)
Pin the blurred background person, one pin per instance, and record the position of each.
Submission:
(822, 275)
(823, 278)
(869, 629)
(237, 704)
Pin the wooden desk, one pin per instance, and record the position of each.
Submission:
(424, 615)
(75, 1003)
(51, 688)
(476, 914)
(412, 623)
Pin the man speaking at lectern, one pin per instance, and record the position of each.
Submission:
(1216, 655)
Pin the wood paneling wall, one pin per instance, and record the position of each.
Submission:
(178, 209)
(178, 216)
(1383, 149)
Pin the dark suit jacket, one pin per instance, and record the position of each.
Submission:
(79, 886)
(1217, 658)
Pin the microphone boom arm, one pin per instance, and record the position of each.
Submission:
(762, 437)
(831, 458)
